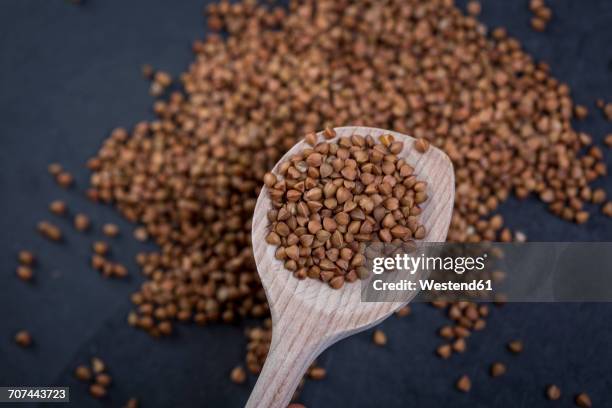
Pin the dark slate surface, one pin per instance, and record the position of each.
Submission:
(70, 74)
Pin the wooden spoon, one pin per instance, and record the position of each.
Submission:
(307, 315)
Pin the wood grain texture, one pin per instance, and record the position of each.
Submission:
(307, 315)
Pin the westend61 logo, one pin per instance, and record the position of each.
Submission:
(412, 264)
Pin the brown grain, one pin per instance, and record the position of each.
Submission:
(607, 110)
(446, 332)
(464, 384)
(110, 230)
(64, 179)
(538, 24)
(58, 207)
(238, 375)
(147, 71)
(444, 351)
(100, 247)
(141, 234)
(131, 403)
(583, 400)
(421, 145)
(379, 337)
(403, 311)
(81, 222)
(83, 373)
(54, 169)
(23, 338)
(474, 8)
(103, 379)
(97, 365)
(97, 391)
(25, 273)
(26, 258)
(581, 112)
(606, 209)
(317, 373)
(49, 231)
(497, 369)
(515, 346)
(553, 392)
(459, 345)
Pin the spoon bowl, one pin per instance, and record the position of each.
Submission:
(308, 315)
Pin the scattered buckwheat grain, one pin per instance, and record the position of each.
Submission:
(553, 392)
(583, 400)
(81, 222)
(379, 337)
(238, 375)
(515, 346)
(464, 384)
(23, 338)
(26, 258)
(497, 369)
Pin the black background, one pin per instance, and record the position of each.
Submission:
(69, 74)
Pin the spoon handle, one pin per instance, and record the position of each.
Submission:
(293, 348)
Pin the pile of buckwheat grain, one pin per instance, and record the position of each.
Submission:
(334, 197)
(191, 177)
